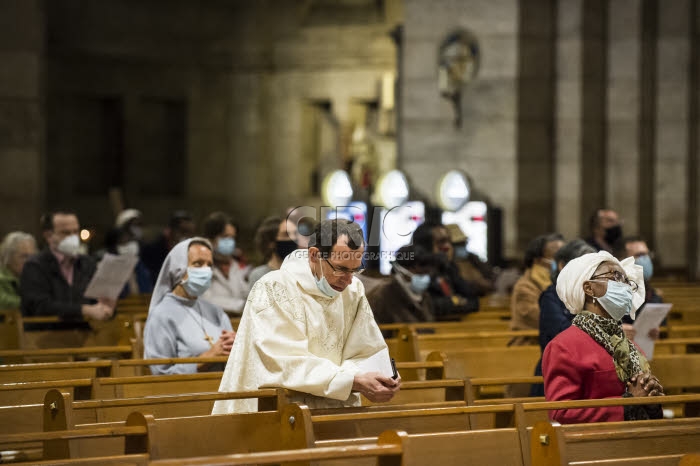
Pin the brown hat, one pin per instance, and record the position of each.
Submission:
(456, 233)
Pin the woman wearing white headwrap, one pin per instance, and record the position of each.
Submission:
(180, 323)
(593, 358)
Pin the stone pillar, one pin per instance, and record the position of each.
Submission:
(567, 123)
(21, 120)
(671, 183)
(623, 109)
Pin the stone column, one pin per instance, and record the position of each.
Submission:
(671, 183)
(21, 120)
(623, 108)
(567, 123)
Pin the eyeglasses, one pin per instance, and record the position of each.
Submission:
(618, 277)
(339, 271)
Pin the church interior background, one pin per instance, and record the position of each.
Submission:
(551, 107)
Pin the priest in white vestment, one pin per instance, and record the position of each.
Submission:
(308, 327)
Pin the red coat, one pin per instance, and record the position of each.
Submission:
(575, 367)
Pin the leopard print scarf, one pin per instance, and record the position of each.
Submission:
(608, 334)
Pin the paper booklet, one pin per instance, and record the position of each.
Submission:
(110, 277)
(650, 318)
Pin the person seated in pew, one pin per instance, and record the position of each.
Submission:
(405, 298)
(180, 227)
(121, 241)
(539, 263)
(471, 268)
(636, 246)
(593, 358)
(308, 327)
(15, 249)
(180, 323)
(53, 283)
(554, 316)
(452, 296)
(229, 288)
(275, 240)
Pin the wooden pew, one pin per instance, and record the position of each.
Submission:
(60, 444)
(27, 393)
(11, 329)
(658, 443)
(690, 459)
(491, 447)
(331, 428)
(35, 372)
(413, 346)
(485, 391)
(137, 386)
(512, 361)
(529, 415)
(426, 391)
(19, 356)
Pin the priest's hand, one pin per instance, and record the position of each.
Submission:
(376, 387)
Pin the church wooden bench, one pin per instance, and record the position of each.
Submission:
(60, 407)
(679, 373)
(27, 393)
(61, 444)
(11, 329)
(414, 346)
(659, 442)
(35, 372)
(426, 391)
(491, 447)
(364, 424)
(677, 345)
(137, 386)
(690, 459)
(511, 361)
(19, 356)
(535, 413)
(496, 447)
(482, 391)
(350, 455)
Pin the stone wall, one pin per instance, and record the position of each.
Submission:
(21, 117)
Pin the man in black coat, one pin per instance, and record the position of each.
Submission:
(53, 282)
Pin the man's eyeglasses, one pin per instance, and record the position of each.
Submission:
(339, 271)
(618, 277)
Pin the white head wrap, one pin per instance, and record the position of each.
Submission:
(172, 271)
(125, 216)
(571, 278)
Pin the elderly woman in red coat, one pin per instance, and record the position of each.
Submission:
(593, 358)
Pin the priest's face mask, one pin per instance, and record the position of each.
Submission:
(340, 266)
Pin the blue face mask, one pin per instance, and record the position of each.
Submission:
(647, 266)
(198, 280)
(225, 246)
(617, 300)
(324, 286)
(420, 282)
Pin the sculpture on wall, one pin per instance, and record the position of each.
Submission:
(458, 63)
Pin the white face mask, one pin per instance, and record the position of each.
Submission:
(128, 249)
(70, 246)
(324, 286)
(617, 300)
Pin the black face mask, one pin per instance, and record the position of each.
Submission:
(285, 248)
(612, 234)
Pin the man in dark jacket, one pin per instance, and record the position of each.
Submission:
(53, 282)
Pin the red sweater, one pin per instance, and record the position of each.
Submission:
(576, 367)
